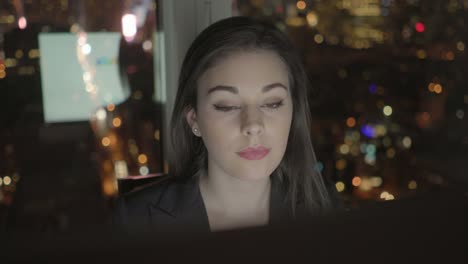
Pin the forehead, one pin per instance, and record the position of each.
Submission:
(246, 70)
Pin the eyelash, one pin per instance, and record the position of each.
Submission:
(272, 106)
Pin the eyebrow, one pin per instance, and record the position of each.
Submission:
(234, 90)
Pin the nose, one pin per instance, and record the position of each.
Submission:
(252, 122)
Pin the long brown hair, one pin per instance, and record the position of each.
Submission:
(296, 172)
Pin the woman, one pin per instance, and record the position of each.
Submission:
(242, 154)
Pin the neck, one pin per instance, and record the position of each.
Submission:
(234, 196)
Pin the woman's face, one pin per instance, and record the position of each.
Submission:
(244, 114)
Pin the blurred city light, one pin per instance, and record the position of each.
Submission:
(368, 131)
(387, 196)
(105, 141)
(312, 18)
(319, 166)
(390, 153)
(412, 185)
(406, 142)
(144, 170)
(318, 38)
(110, 107)
(7, 180)
(387, 110)
(147, 45)
(19, 54)
(340, 186)
(460, 46)
(142, 158)
(344, 149)
(340, 164)
(101, 114)
(376, 181)
(121, 169)
(22, 22)
(366, 184)
(420, 27)
(356, 181)
(437, 88)
(351, 122)
(116, 122)
(373, 88)
(86, 49)
(380, 130)
(33, 53)
(421, 54)
(301, 5)
(157, 135)
(129, 26)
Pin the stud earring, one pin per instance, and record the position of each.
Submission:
(195, 131)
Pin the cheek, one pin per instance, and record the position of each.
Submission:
(217, 131)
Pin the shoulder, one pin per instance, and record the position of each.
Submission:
(134, 208)
(160, 204)
(145, 195)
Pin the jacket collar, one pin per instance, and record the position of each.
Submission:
(183, 202)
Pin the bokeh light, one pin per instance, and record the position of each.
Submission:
(344, 149)
(437, 88)
(312, 19)
(420, 27)
(421, 54)
(110, 107)
(412, 185)
(142, 158)
(22, 22)
(340, 186)
(301, 5)
(157, 135)
(356, 181)
(376, 181)
(318, 38)
(105, 141)
(144, 170)
(7, 180)
(387, 110)
(406, 142)
(341, 164)
(129, 26)
(373, 88)
(350, 121)
(116, 122)
(460, 46)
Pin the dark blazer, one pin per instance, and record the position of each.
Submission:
(169, 205)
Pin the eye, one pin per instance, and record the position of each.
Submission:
(223, 108)
(275, 105)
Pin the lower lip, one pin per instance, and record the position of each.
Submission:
(254, 155)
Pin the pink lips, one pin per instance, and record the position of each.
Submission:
(254, 153)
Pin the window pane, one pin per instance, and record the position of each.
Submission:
(388, 90)
(78, 115)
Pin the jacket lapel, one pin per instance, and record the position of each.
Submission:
(180, 207)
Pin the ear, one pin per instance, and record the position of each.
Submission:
(191, 118)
